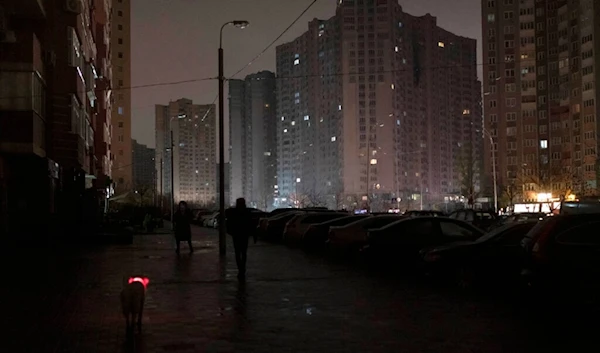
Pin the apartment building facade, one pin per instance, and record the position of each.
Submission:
(376, 108)
(121, 110)
(48, 111)
(541, 100)
(253, 140)
(186, 171)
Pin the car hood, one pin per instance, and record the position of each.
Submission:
(452, 246)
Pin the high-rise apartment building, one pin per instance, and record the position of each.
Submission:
(54, 90)
(191, 130)
(253, 139)
(376, 106)
(121, 110)
(540, 96)
(104, 95)
(143, 166)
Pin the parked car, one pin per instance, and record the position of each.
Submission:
(400, 243)
(563, 252)
(418, 213)
(518, 217)
(206, 219)
(480, 219)
(199, 216)
(352, 237)
(297, 226)
(275, 226)
(212, 220)
(495, 257)
(316, 234)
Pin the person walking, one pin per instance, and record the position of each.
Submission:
(182, 224)
(240, 227)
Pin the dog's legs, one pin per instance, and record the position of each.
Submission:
(139, 319)
(127, 325)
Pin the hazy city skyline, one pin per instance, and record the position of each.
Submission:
(171, 56)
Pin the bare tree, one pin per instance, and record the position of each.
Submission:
(145, 193)
(510, 192)
(468, 167)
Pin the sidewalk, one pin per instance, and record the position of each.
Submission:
(291, 302)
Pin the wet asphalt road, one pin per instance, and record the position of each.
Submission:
(68, 301)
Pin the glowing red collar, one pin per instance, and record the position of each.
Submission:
(143, 280)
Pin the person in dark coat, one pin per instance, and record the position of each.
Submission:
(182, 224)
(240, 227)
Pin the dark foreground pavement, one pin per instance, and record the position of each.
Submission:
(68, 301)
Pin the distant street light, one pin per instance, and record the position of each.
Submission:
(222, 234)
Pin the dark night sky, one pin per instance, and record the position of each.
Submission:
(175, 40)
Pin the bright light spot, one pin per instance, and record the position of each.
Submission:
(293, 123)
(196, 171)
(298, 180)
(340, 107)
(333, 138)
(393, 86)
(267, 153)
(396, 49)
(284, 130)
(544, 144)
(543, 197)
(373, 161)
(282, 118)
(306, 117)
(297, 62)
(441, 44)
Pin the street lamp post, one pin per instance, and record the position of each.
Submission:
(486, 132)
(222, 234)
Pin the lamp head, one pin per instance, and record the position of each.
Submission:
(241, 24)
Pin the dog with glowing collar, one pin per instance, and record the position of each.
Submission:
(133, 296)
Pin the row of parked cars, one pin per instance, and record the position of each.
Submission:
(536, 250)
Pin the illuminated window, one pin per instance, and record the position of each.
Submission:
(441, 44)
(373, 161)
(120, 110)
(293, 123)
(306, 118)
(297, 62)
(396, 49)
(284, 130)
(466, 112)
(333, 138)
(543, 144)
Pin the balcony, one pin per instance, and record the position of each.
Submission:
(33, 9)
(22, 123)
